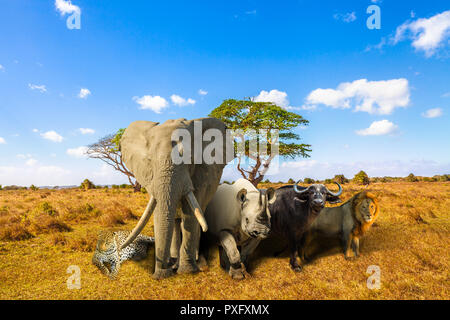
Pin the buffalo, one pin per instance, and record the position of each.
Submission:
(293, 211)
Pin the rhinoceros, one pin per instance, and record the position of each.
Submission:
(238, 215)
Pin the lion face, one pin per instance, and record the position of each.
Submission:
(367, 210)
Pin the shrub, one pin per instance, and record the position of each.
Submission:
(327, 181)
(33, 188)
(291, 181)
(87, 184)
(340, 178)
(308, 180)
(361, 178)
(411, 178)
(14, 232)
(43, 208)
(265, 181)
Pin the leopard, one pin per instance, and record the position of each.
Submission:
(108, 256)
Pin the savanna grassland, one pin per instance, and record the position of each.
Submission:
(43, 232)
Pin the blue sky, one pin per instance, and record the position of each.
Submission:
(376, 100)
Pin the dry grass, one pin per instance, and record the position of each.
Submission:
(43, 232)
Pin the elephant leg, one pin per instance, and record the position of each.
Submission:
(175, 245)
(189, 244)
(164, 225)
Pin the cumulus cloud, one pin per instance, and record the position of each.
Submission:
(154, 103)
(65, 7)
(346, 17)
(275, 96)
(378, 128)
(40, 88)
(180, 101)
(86, 131)
(427, 35)
(433, 113)
(79, 152)
(374, 97)
(202, 92)
(84, 93)
(2, 68)
(52, 136)
(2, 140)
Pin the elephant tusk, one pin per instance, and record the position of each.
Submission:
(190, 197)
(142, 222)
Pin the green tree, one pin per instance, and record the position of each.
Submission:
(361, 178)
(249, 118)
(33, 187)
(291, 181)
(107, 149)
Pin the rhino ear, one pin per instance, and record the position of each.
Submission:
(242, 195)
(271, 197)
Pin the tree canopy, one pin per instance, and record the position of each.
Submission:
(250, 117)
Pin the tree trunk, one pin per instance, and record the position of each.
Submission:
(137, 187)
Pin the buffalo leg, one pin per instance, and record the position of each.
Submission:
(293, 250)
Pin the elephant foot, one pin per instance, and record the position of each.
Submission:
(201, 263)
(238, 273)
(162, 273)
(188, 267)
(173, 263)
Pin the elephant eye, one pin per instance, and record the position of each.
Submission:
(246, 220)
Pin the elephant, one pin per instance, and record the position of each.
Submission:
(152, 152)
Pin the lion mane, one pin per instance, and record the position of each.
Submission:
(362, 226)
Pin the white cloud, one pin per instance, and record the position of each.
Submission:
(378, 128)
(346, 17)
(40, 88)
(52, 136)
(202, 92)
(275, 96)
(426, 34)
(35, 130)
(433, 113)
(180, 101)
(79, 152)
(65, 7)
(2, 68)
(374, 97)
(446, 95)
(31, 162)
(2, 140)
(84, 93)
(35, 174)
(154, 103)
(86, 131)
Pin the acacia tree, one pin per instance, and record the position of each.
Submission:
(250, 118)
(107, 150)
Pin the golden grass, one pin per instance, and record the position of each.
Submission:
(38, 242)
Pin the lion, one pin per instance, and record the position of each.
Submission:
(348, 223)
